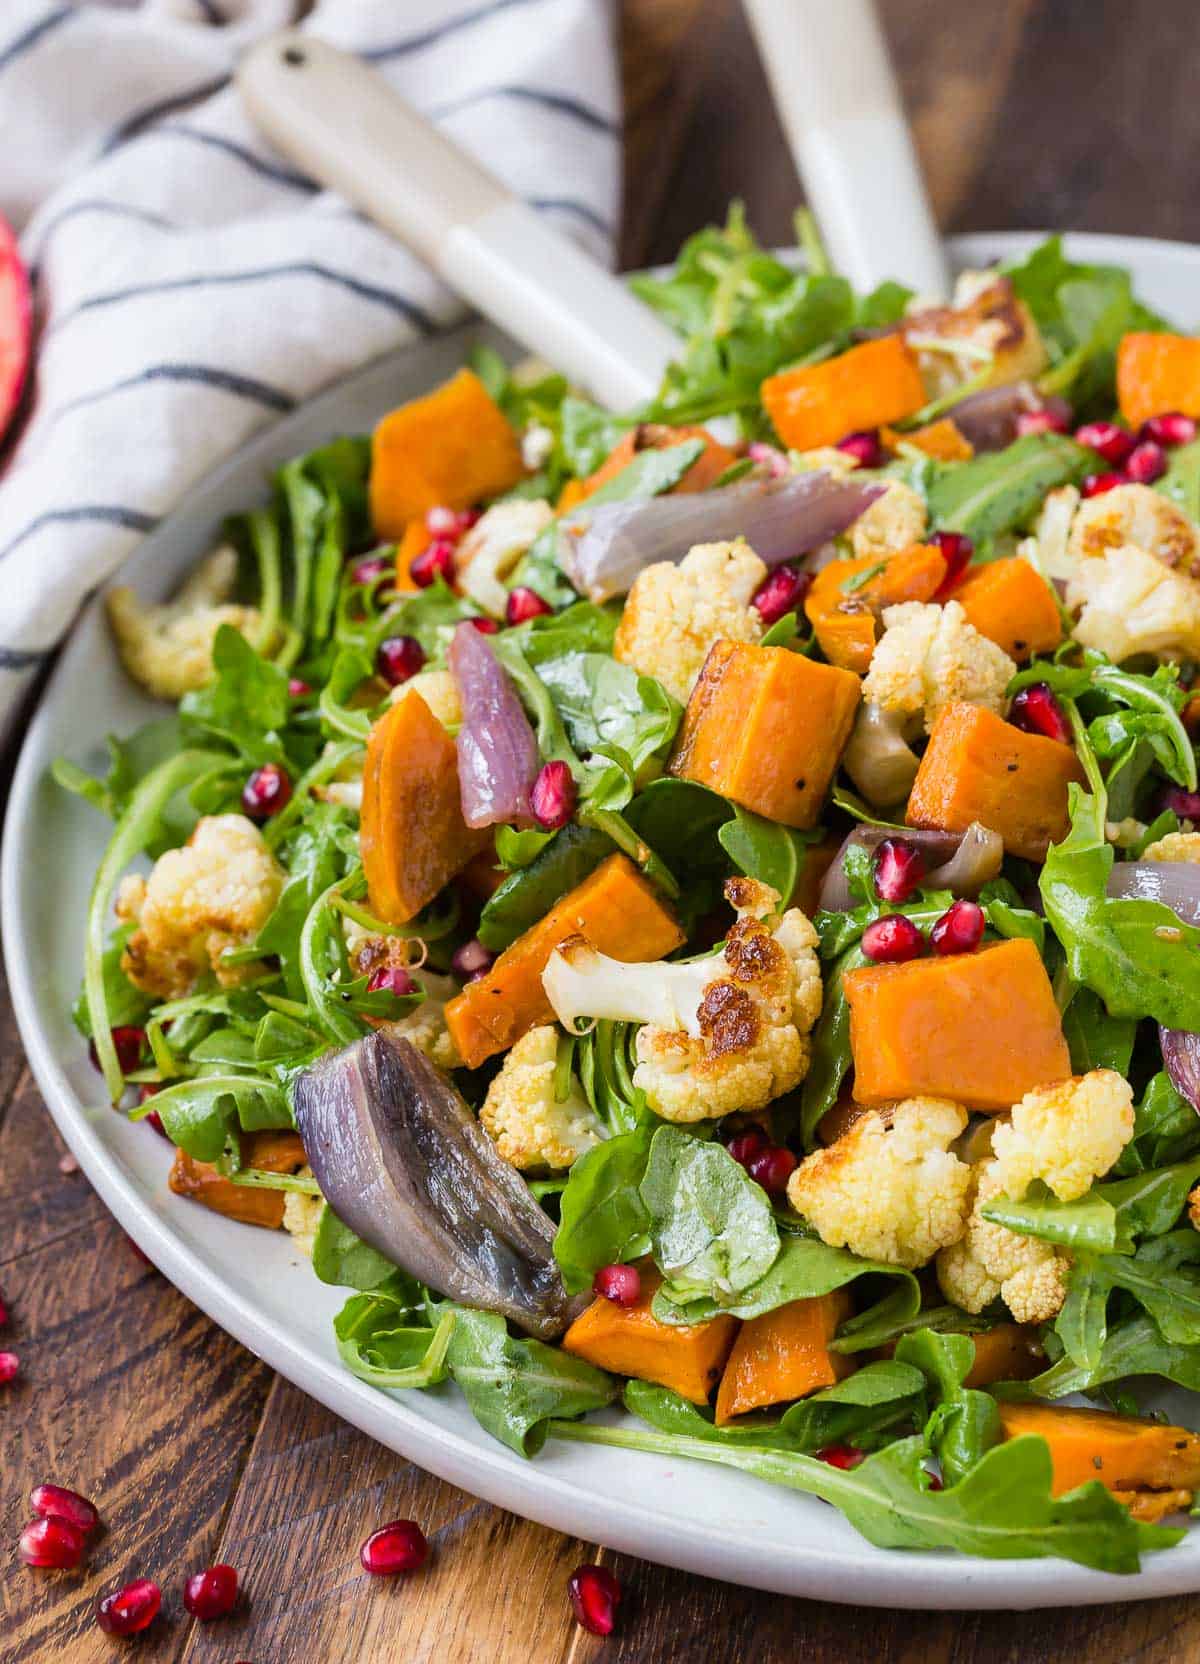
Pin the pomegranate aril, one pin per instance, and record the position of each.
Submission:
(471, 958)
(1107, 440)
(442, 521)
(595, 1595)
(10, 1367)
(398, 1547)
(959, 930)
(485, 626)
(1035, 710)
(1095, 485)
(131, 1609)
(1043, 420)
(957, 549)
(58, 1503)
(935, 1481)
(1182, 803)
(747, 1145)
(398, 658)
(297, 689)
(772, 1168)
(780, 593)
(523, 604)
(899, 869)
(128, 1043)
(622, 1284)
(1146, 463)
(553, 796)
(393, 979)
(371, 571)
(844, 1456)
(435, 561)
(1174, 428)
(212, 1593)
(865, 447)
(768, 457)
(51, 1542)
(266, 792)
(891, 940)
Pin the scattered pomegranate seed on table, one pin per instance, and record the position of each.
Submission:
(51, 1543)
(959, 930)
(1095, 485)
(622, 1284)
(553, 796)
(1173, 428)
(398, 1547)
(393, 979)
(211, 1594)
(523, 604)
(772, 1168)
(899, 869)
(10, 1367)
(865, 446)
(397, 658)
(57, 1502)
(780, 593)
(1146, 463)
(435, 561)
(471, 958)
(1107, 440)
(131, 1609)
(1035, 710)
(891, 940)
(595, 1595)
(957, 549)
(844, 1456)
(266, 792)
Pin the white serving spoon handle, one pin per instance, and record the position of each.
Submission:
(341, 122)
(832, 81)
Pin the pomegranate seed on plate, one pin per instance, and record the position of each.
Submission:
(485, 626)
(1042, 420)
(1146, 463)
(553, 796)
(1035, 710)
(212, 1593)
(435, 561)
(622, 1284)
(131, 1609)
(1095, 485)
(398, 658)
(1107, 439)
(297, 689)
(10, 1366)
(1174, 428)
(899, 869)
(398, 1547)
(891, 940)
(959, 930)
(595, 1595)
(780, 593)
(394, 978)
(471, 958)
(957, 549)
(772, 1168)
(56, 1502)
(128, 1043)
(266, 792)
(768, 457)
(51, 1542)
(747, 1145)
(845, 1456)
(865, 446)
(1185, 804)
(524, 603)
(370, 571)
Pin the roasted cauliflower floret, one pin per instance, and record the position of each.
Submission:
(439, 690)
(1135, 514)
(215, 893)
(531, 1129)
(991, 1262)
(827, 457)
(302, 1215)
(1176, 846)
(1131, 603)
(168, 648)
(891, 1192)
(1052, 537)
(673, 614)
(1067, 1134)
(987, 333)
(891, 523)
(494, 545)
(931, 656)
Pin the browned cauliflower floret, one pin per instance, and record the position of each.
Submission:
(531, 1127)
(990, 1262)
(890, 1189)
(1067, 1134)
(1138, 515)
(891, 523)
(168, 648)
(931, 656)
(988, 335)
(674, 614)
(1129, 602)
(215, 893)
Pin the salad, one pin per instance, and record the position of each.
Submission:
(697, 910)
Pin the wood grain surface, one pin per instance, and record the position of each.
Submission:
(1027, 113)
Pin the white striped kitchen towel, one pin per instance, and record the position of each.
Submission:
(190, 285)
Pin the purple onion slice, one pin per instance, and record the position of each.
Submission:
(498, 756)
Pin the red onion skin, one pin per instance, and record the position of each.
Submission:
(1181, 1060)
(988, 419)
(1175, 883)
(498, 757)
(938, 848)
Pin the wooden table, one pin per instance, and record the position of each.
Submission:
(1028, 113)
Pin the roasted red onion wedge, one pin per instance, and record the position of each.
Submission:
(402, 1161)
(961, 862)
(1175, 883)
(498, 756)
(988, 419)
(1181, 1060)
(607, 546)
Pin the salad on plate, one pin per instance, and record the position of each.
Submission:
(697, 912)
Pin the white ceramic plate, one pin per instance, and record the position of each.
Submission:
(690, 1515)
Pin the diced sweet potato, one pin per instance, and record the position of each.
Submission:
(615, 909)
(413, 835)
(269, 1152)
(1158, 374)
(784, 1355)
(1124, 1453)
(979, 1028)
(629, 1340)
(944, 440)
(657, 436)
(417, 538)
(1014, 606)
(1009, 1352)
(866, 387)
(848, 596)
(766, 728)
(979, 767)
(454, 446)
(818, 858)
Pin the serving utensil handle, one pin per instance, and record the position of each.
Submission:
(340, 121)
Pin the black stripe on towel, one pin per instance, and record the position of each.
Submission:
(22, 658)
(130, 519)
(259, 164)
(205, 375)
(431, 37)
(18, 48)
(137, 123)
(573, 107)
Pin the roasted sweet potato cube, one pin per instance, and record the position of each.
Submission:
(657, 436)
(1158, 374)
(979, 767)
(1124, 1453)
(866, 387)
(1014, 606)
(979, 1028)
(270, 1152)
(1009, 1352)
(784, 1355)
(848, 597)
(766, 727)
(629, 1340)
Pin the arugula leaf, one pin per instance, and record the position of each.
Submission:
(1096, 1039)
(528, 894)
(965, 1423)
(201, 1114)
(378, 1349)
(246, 704)
(125, 1003)
(430, 614)
(649, 474)
(1135, 1347)
(582, 627)
(766, 851)
(606, 703)
(602, 1217)
(1165, 1129)
(316, 856)
(1002, 490)
(344, 1259)
(1181, 482)
(1090, 1222)
(712, 1232)
(589, 434)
